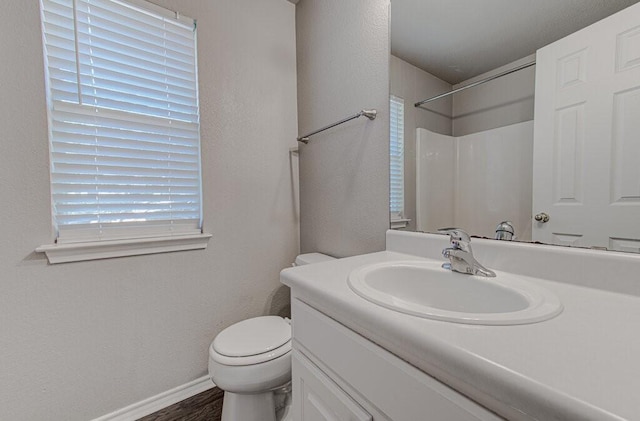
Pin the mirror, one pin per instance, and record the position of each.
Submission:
(478, 158)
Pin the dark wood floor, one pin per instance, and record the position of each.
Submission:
(206, 406)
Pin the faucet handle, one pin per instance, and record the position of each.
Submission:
(459, 238)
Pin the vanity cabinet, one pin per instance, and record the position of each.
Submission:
(318, 398)
(340, 375)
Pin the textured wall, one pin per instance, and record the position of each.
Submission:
(343, 66)
(413, 84)
(80, 340)
(501, 102)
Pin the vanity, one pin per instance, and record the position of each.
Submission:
(355, 359)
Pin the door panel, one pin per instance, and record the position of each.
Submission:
(587, 136)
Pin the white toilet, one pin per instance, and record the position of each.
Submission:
(251, 362)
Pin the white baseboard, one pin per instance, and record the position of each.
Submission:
(160, 401)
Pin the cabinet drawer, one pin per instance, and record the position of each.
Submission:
(397, 389)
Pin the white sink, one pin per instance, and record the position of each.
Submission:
(425, 289)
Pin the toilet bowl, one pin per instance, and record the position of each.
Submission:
(251, 362)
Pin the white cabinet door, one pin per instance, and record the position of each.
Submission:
(586, 174)
(318, 398)
(366, 379)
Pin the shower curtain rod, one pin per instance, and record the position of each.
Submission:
(480, 82)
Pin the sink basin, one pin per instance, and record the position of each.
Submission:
(425, 289)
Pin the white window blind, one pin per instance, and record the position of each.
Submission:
(123, 120)
(397, 158)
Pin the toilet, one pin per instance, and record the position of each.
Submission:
(251, 362)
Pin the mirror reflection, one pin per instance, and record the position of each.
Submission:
(477, 159)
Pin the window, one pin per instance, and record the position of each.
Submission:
(124, 132)
(396, 166)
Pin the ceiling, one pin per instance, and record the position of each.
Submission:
(458, 39)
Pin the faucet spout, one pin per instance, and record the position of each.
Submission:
(461, 257)
(505, 231)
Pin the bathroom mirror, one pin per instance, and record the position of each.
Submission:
(468, 159)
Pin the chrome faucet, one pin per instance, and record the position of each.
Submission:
(505, 231)
(460, 254)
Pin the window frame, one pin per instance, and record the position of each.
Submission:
(396, 147)
(132, 242)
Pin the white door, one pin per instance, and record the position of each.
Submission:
(586, 165)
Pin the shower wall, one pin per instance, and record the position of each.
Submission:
(476, 181)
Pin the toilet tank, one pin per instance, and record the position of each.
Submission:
(309, 258)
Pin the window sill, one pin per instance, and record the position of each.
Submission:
(77, 252)
(399, 223)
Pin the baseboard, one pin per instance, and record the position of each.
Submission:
(160, 401)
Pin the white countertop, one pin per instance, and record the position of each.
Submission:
(584, 364)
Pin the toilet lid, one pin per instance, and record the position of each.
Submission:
(253, 336)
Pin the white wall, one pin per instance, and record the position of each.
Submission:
(492, 168)
(413, 84)
(435, 162)
(498, 103)
(343, 67)
(495, 180)
(80, 340)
